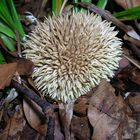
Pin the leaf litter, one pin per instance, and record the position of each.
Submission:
(103, 113)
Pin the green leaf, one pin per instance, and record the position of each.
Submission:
(102, 4)
(8, 42)
(56, 6)
(2, 60)
(6, 30)
(5, 14)
(129, 14)
(15, 18)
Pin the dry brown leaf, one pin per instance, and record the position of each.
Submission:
(123, 63)
(57, 131)
(24, 66)
(135, 76)
(81, 105)
(107, 113)
(128, 3)
(80, 128)
(6, 73)
(29, 133)
(14, 126)
(35, 116)
(66, 112)
(134, 101)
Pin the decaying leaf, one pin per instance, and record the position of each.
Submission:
(135, 76)
(24, 67)
(29, 133)
(57, 131)
(66, 112)
(7, 72)
(12, 94)
(107, 113)
(81, 105)
(80, 128)
(128, 3)
(14, 126)
(34, 116)
(134, 101)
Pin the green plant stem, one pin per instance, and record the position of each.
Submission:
(75, 8)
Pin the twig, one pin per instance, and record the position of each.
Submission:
(132, 40)
(18, 43)
(46, 106)
(106, 15)
(135, 49)
(132, 61)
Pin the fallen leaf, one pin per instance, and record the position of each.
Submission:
(135, 76)
(66, 112)
(123, 63)
(129, 129)
(7, 72)
(134, 101)
(126, 4)
(137, 130)
(81, 105)
(80, 125)
(57, 131)
(35, 116)
(14, 126)
(12, 94)
(29, 133)
(107, 113)
(106, 15)
(24, 66)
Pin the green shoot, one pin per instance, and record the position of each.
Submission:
(129, 14)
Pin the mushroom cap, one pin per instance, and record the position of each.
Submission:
(72, 54)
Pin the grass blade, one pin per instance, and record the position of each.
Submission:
(6, 30)
(15, 18)
(102, 4)
(129, 14)
(5, 15)
(56, 6)
(75, 8)
(9, 43)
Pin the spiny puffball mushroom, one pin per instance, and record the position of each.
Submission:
(72, 54)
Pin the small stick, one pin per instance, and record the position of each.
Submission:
(132, 40)
(18, 44)
(132, 61)
(135, 49)
(106, 15)
(46, 106)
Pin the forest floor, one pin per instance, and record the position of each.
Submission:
(110, 111)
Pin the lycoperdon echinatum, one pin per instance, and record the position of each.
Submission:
(72, 53)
